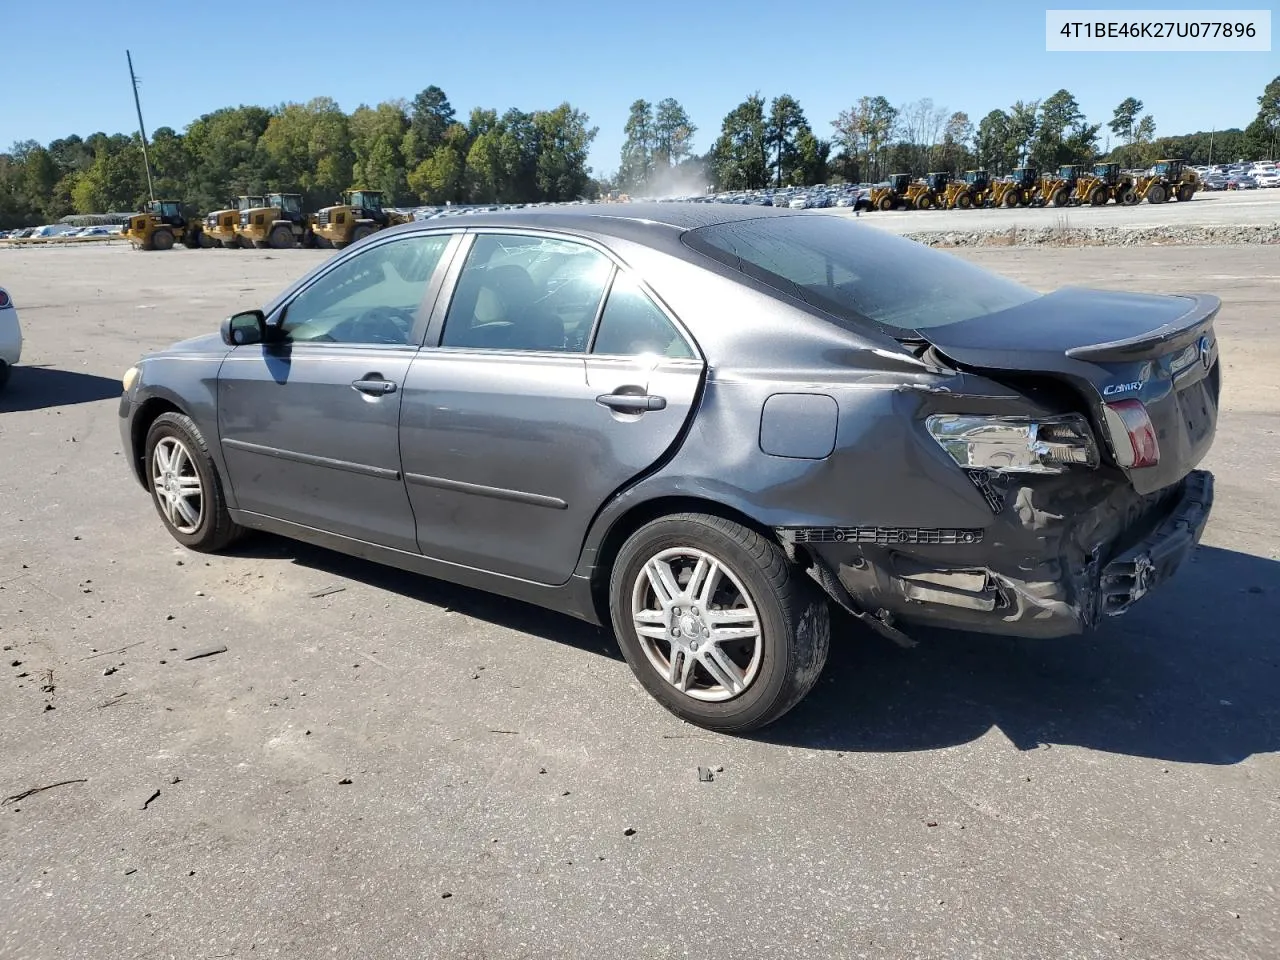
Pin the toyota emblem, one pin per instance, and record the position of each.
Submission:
(1206, 352)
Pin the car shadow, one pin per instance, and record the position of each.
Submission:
(1190, 674)
(38, 387)
(489, 607)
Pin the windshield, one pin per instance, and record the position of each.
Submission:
(858, 274)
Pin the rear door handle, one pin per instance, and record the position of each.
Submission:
(632, 402)
(374, 385)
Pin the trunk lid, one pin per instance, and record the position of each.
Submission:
(1110, 346)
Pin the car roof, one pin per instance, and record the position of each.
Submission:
(653, 224)
(656, 226)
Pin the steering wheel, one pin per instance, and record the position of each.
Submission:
(382, 325)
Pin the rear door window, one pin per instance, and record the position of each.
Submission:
(632, 324)
(526, 293)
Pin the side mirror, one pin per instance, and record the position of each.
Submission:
(247, 327)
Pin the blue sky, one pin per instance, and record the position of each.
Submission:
(600, 56)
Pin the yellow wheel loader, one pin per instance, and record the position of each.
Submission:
(220, 226)
(1016, 190)
(359, 214)
(1168, 180)
(936, 190)
(1104, 184)
(160, 224)
(1058, 189)
(278, 224)
(892, 194)
(974, 190)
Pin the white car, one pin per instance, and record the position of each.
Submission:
(10, 337)
(1267, 178)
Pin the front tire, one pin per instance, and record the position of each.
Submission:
(162, 240)
(185, 486)
(715, 622)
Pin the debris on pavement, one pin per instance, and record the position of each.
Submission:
(705, 775)
(629, 832)
(344, 782)
(147, 802)
(107, 653)
(336, 588)
(14, 798)
(207, 652)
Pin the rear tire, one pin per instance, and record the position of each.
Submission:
(1128, 197)
(726, 579)
(360, 232)
(1156, 194)
(1098, 197)
(1185, 192)
(162, 240)
(964, 201)
(207, 242)
(1011, 199)
(886, 204)
(1061, 197)
(185, 486)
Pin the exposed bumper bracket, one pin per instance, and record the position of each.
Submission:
(831, 585)
(1131, 575)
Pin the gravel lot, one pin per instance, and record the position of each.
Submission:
(386, 766)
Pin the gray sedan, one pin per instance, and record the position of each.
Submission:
(700, 425)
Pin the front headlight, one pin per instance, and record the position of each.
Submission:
(130, 378)
(1015, 444)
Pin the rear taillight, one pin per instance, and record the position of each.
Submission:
(4, 300)
(1015, 444)
(1133, 436)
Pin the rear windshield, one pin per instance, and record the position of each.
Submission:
(857, 273)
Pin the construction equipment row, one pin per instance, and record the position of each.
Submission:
(1070, 185)
(275, 221)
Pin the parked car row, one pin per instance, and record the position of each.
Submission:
(1239, 176)
(51, 233)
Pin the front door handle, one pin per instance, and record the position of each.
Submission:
(632, 402)
(374, 385)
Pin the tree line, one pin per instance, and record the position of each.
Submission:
(420, 151)
(765, 144)
(415, 151)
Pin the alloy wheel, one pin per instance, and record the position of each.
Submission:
(697, 624)
(177, 485)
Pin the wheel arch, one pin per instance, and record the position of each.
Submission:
(146, 414)
(635, 517)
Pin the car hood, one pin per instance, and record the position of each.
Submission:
(206, 345)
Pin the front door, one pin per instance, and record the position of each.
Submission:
(556, 380)
(309, 421)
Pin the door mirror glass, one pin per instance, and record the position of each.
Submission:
(246, 327)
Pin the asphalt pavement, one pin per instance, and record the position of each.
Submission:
(380, 765)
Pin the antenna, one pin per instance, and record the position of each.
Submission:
(151, 192)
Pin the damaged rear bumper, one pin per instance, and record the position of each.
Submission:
(1062, 577)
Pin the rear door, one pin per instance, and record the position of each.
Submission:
(309, 423)
(556, 380)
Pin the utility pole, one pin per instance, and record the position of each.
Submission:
(1211, 133)
(151, 191)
